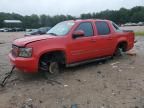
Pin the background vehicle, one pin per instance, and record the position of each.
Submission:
(11, 29)
(70, 43)
(43, 30)
(4, 30)
(40, 31)
(31, 32)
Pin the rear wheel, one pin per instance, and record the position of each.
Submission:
(118, 52)
(120, 49)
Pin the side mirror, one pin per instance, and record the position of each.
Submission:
(78, 33)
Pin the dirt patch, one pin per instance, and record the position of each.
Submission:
(117, 83)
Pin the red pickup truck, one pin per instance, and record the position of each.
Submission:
(70, 43)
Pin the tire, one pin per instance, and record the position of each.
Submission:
(50, 68)
(118, 52)
(51, 63)
(53, 68)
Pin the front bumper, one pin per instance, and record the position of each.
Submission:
(28, 65)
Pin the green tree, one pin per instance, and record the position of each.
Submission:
(121, 16)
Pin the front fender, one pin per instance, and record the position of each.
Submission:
(50, 50)
(45, 46)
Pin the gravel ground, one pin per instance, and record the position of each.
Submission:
(118, 83)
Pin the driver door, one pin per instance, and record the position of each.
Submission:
(81, 48)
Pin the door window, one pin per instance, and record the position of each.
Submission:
(86, 27)
(102, 28)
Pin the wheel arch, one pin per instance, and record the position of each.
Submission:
(54, 51)
(122, 44)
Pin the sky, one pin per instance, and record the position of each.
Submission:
(71, 7)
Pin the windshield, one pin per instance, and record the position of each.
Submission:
(61, 28)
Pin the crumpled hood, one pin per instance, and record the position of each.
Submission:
(25, 40)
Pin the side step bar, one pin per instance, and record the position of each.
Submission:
(87, 61)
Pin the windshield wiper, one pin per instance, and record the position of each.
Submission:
(53, 34)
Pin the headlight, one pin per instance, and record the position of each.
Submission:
(25, 52)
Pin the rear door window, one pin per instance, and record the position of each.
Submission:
(102, 28)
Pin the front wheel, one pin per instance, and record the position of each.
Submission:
(50, 68)
(53, 68)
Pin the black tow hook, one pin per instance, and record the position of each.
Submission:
(8, 75)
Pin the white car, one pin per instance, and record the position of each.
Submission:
(3, 30)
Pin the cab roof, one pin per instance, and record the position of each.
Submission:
(91, 20)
